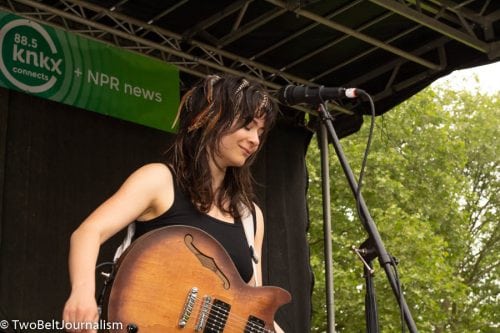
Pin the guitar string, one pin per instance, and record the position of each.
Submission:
(249, 324)
(223, 311)
(223, 328)
(234, 318)
(255, 328)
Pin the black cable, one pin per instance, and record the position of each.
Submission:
(104, 264)
(400, 290)
(108, 279)
(367, 150)
(358, 198)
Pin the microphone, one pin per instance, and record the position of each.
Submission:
(291, 95)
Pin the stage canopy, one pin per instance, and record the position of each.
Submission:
(392, 49)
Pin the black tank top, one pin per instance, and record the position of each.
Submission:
(230, 235)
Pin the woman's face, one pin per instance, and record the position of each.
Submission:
(237, 146)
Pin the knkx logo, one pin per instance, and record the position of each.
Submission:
(30, 59)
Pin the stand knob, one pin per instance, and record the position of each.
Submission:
(132, 328)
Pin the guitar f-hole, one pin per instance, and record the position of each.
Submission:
(206, 261)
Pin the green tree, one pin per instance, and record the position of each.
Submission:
(431, 185)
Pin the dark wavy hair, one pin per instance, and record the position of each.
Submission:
(214, 107)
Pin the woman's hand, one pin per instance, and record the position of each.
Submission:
(80, 312)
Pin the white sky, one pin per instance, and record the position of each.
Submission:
(488, 75)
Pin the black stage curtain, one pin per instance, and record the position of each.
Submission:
(281, 173)
(57, 163)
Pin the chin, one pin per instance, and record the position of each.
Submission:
(239, 163)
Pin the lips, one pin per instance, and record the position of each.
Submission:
(246, 151)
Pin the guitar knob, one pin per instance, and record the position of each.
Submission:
(132, 328)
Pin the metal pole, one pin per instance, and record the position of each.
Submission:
(327, 230)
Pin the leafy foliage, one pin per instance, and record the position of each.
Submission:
(432, 187)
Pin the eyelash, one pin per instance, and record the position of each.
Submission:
(249, 128)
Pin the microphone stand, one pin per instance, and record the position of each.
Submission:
(373, 247)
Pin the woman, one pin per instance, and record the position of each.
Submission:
(205, 183)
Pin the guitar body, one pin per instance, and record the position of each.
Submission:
(180, 279)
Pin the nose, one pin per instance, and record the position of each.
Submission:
(254, 138)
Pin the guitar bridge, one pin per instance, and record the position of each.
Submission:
(188, 307)
(203, 316)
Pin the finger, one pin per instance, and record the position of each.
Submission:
(69, 318)
(91, 321)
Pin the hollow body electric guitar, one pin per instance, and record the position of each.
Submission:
(180, 279)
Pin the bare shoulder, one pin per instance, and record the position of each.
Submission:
(148, 181)
(158, 184)
(155, 169)
(153, 174)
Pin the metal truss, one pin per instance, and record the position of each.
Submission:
(450, 19)
(144, 37)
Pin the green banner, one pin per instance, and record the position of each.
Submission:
(63, 67)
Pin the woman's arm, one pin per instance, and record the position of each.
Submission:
(138, 197)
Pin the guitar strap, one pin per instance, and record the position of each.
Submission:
(126, 242)
(249, 222)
